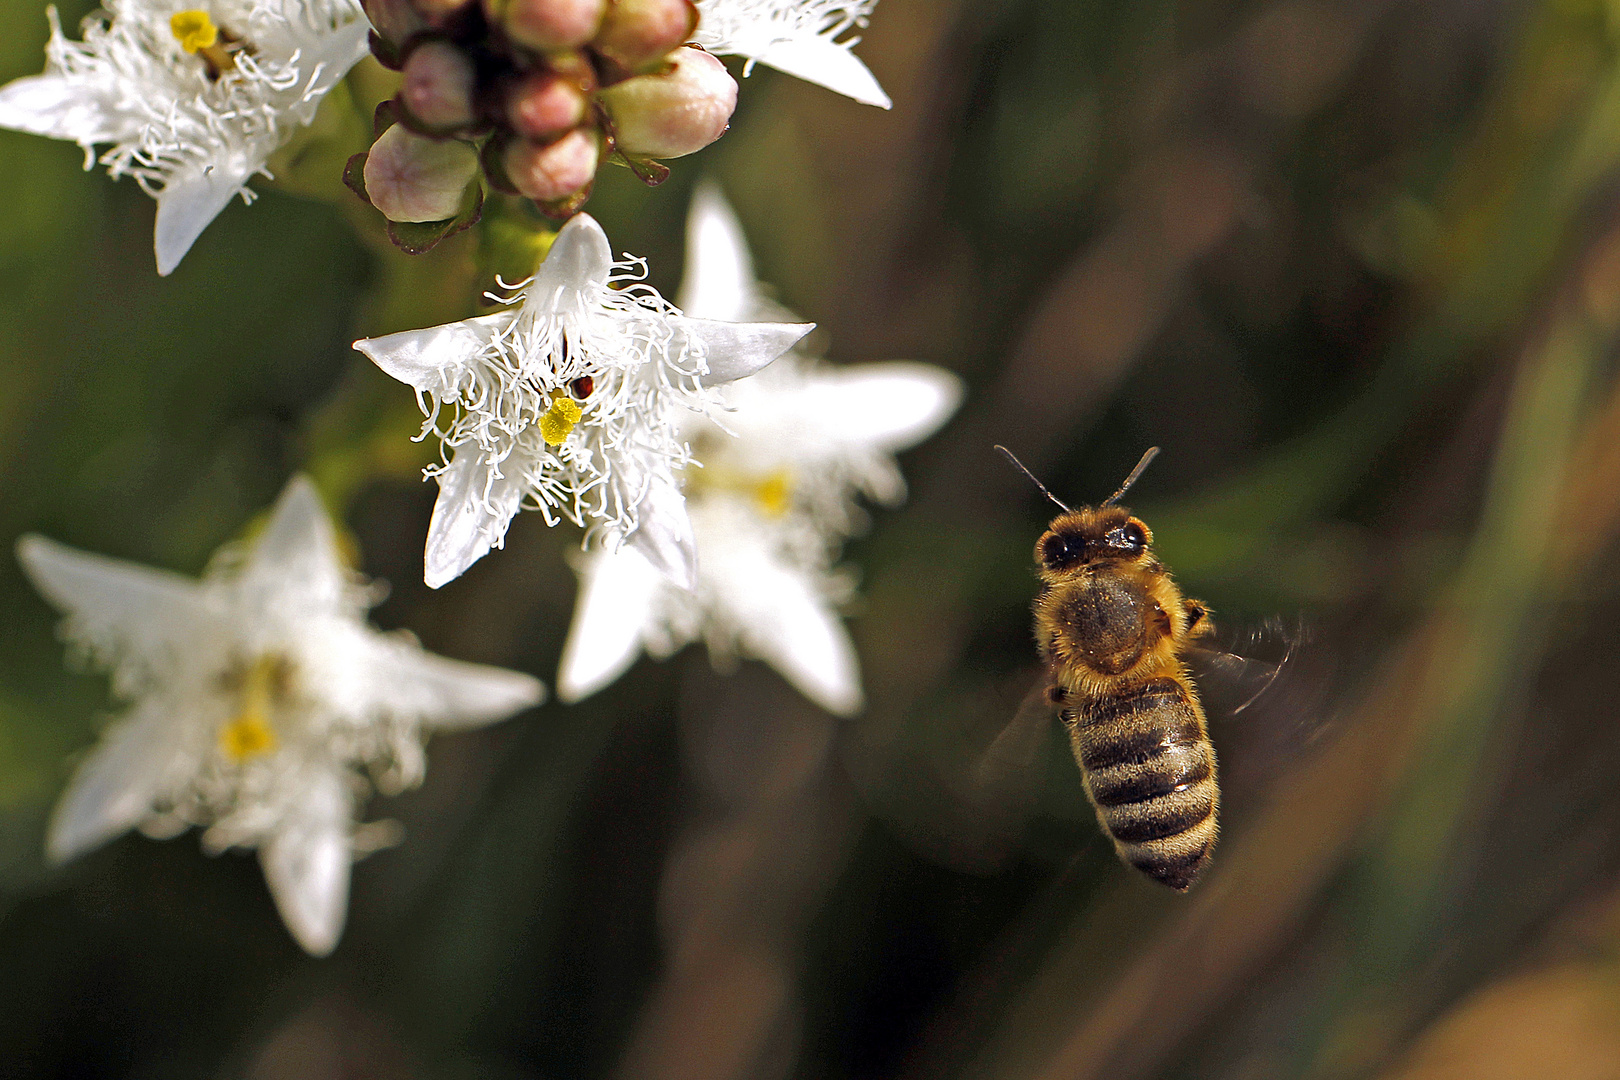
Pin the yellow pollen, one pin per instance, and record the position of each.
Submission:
(774, 493)
(560, 419)
(250, 734)
(195, 30)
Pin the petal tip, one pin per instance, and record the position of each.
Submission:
(31, 548)
(579, 255)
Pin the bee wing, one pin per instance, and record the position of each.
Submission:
(994, 791)
(1009, 762)
(1243, 668)
(1272, 679)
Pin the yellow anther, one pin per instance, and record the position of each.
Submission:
(195, 30)
(250, 734)
(774, 493)
(560, 419)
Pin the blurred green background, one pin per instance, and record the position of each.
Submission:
(1354, 264)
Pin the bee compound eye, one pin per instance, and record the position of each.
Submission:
(1061, 550)
(1128, 538)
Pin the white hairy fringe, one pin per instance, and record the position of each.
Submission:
(180, 119)
(643, 363)
(727, 22)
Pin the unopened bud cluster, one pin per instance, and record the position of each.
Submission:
(552, 88)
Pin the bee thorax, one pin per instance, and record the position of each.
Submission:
(1101, 622)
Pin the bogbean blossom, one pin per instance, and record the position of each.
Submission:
(257, 695)
(571, 402)
(190, 100)
(776, 496)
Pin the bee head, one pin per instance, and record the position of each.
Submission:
(1085, 536)
(1078, 538)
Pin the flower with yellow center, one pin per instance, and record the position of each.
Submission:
(497, 393)
(260, 701)
(190, 103)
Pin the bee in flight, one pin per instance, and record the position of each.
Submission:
(1112, 629)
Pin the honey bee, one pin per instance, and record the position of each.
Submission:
(1112, 629)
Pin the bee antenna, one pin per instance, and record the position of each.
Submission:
(1141, 467)
(1026, 472)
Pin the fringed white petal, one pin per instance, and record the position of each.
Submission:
(189, 203)
(579, 261)
(430, 359)
(471, 516)
(718, 282)
(825, 63)
(888, 407)
(115, 608)
(615, 602)
(445, 694)
(736, 350)
(308, 858)
(58, 108)
(116, 787)
(809, 39)
(295, 564)
(664, 536)
(783, 620)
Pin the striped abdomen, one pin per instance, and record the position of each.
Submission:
(1149, 768)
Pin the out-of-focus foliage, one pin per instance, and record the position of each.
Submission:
(1354, 264)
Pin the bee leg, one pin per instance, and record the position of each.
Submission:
(1161, 621)
(1199, 624)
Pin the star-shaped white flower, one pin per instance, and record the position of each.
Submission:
(257, 693)
(570, 402)
(809, 39)
(770, 507)
(193, 95)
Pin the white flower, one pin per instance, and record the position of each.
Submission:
(770, 506)
(193, 95)
(255, 694)
(570, 404)
(799, 37)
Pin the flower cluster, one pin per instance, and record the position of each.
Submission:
(771, 504)
(553, 88)
(192, 100)
(715, 489)
(256, 695)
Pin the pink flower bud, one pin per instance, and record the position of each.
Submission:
(673, 112)
(551, 24)
(637, 33)
(394, 20)
(438, 86)
(551, 172)
(410, 177)
(542, 106)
